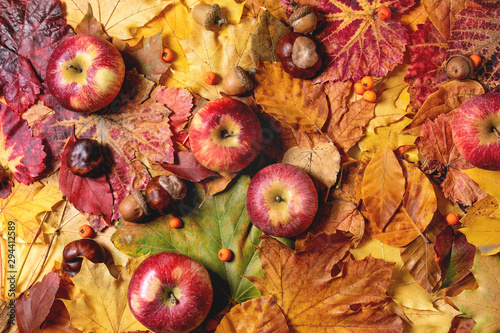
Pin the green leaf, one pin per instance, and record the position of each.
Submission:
(221, 221)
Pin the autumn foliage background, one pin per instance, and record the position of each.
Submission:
(379, 256)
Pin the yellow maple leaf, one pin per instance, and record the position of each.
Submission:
(118, 17)
(24, 203)
(102, 306)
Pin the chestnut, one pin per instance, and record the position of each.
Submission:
(75, 251)
(134, 207)
(85, 158)
(163, 192)
(459, 67)
(299, 55)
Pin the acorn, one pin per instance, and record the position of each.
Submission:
(303, 19)
(459, 67)
(134, 207)
(238, 81)
(208, 15)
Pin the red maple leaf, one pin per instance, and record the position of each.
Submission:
(30, 30)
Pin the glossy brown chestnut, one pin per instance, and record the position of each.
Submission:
(84, 158)
(163, 192)
(75, 251)
(299, 55)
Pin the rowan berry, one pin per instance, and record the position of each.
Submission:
(476, 59)
(86, 231)
(225, 254)
(452, 218)
(210, 78)
(370, 96)
(167, 55)
(175, 222)
(358, 88)
(384, 13)
(436, 259)
(367, 82)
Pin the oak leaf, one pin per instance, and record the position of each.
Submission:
(322, 162)
(21, 154)
(30, 32)
(481, 304)
(355, 41)
(383, 187)
(294, 102)
(255, 315)
(102, 305)
(312, 300)
(118, 18)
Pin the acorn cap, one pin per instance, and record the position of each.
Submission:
(300, 12)
(141, 200)
(212, 17)
(244, 77)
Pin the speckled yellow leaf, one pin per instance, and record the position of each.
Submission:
(119, 17)
(24, 204)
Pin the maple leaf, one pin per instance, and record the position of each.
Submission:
(220, 221)
(456, 256)
(436, 144)
(481, 304)
(312, 300)
(133, 123)
(147, 56)
(426, 74)
(383, 187)
(294, 102)
(355, 41)
(476, 31)
(255, 315)
(24, 203)
(117, 17)
(29, 32)
(89, 25)
(87, 194)
(102, 305)
(32, 309)
(21, 154)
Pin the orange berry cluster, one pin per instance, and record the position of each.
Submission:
(364, 88)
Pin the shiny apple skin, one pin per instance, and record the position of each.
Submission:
(289, 217)
(155, 277)
(98, 83)
(230, 154)
(473, 133)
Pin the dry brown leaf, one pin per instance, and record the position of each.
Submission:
(449, 97)
(322, 162)
(260, 314)
(297, 103)
(383, 187)
(442, 13)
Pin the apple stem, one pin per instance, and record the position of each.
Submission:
(497, 133)
(78, 69)
(172, 298)
(279, 199)
(226, 134)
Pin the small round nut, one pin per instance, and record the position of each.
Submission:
(163, 192)
(85, 158)
(459, 67)
(208, 15)
(237, 82)
(303, 19)
(134, 207)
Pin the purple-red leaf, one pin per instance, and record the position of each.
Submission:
(187, 167)
(29, 32)
(356, 42)
(87, 194)
(456, 255)
(22, 154)
(32, 310)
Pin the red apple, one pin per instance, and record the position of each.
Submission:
(170, 292)
(225, 135)
(85, 73)
(282, 200)
(476, 131)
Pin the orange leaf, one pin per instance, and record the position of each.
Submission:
(383, 186)
(260, 314)
(297, 103)
(442, 13)
(315, 301)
